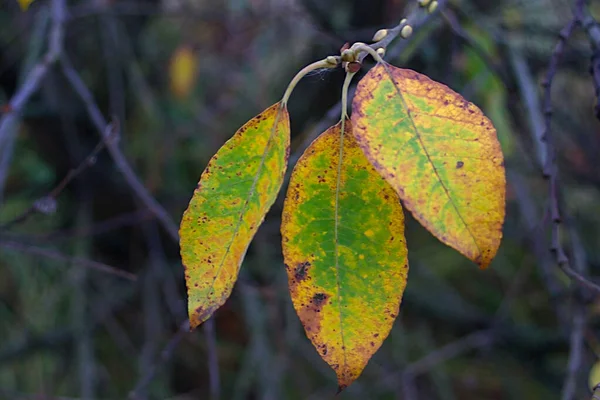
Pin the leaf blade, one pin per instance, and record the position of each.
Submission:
(236, 189)
(347, 282)
(439, 152)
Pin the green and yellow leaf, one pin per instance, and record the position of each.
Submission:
(344, 251)
(183, 71)
(235, 191)
(439, 152)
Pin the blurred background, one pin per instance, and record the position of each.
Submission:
(92, 296)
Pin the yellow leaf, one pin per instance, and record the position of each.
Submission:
(439, 152)
(344, 251)
(235, 191)
(183, 71)
(594, 378)
(24, 4)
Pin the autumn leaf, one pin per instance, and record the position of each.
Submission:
(183, 70)
(24, 4)
(235, 191)
(344, 251)
(439, 152)
(594, 377)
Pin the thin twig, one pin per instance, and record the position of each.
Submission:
(47, 203)
(416, 19)
(590, 25)
(164, 357)
(54, 255)
(135, 185)
(30, 85)
(118, 157)
(575, 353)
(473, 341)
(550, 169)
(463, 35)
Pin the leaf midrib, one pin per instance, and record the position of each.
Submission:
(248, 198)
(336, 239)
(418, 136)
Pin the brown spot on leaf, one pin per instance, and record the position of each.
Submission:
(310, 314)
(459, 164)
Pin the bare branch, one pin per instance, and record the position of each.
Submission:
(118, 157)
(47, 203)
(30, 85)
(54, 255)
(550, 168)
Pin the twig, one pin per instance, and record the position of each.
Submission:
(134, 183)
(54, 255)
(30, 86)
(164, 357)
(118, 157)
(550, 169)
(47, 203)
(575, 353)
(463, 35)
(590, 25)
(473, 341)
(416, 19)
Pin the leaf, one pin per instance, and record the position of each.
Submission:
(347, 273)
(594, 378)
(235, 191)
(24, 4)
(183, 71)
(439, 152)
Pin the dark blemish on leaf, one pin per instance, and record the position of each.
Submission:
(372, 344)
(376, 335)
(319, 298)
(459, 164)
(301, 271)
(310, 314)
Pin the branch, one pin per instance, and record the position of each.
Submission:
(119, 159)
(140, 191)
(47, 203)
(165, 355)
(550, 168)
(31, 84)
(415, 19)
(54, 255)
(463, 35)
(590, 25)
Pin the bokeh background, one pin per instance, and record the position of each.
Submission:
(92, 296)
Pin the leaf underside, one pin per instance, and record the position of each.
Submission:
(235, 191)
(347, 274)
(439, 152)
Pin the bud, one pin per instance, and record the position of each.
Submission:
(380, 34)
(406, 31)
(432, 7)
(348, 55)
(403, 21)
(331, 60)
(353, 67)
(381, 52)
(424, 3)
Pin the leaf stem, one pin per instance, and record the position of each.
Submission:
(368, 49)
(349, 76)
(329, 62)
